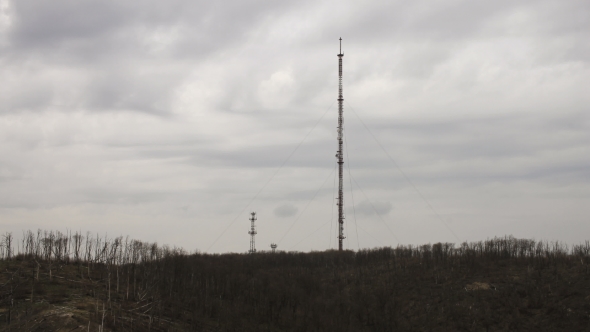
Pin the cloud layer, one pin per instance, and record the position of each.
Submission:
(171, 121)
(285, 210)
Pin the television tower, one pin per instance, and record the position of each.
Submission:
(339, 153)
(252, 233)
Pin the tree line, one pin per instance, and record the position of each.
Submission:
(74, 248)
(141, 285)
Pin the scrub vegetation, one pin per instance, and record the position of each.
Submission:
(53, 281)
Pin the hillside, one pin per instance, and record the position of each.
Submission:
(65, 282)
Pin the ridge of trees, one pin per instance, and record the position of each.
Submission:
(142, 285)
(67, 248)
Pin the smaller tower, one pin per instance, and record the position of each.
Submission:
(273, 246)
(252, 233)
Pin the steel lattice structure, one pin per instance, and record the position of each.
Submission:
(252, 233)
(339, 153)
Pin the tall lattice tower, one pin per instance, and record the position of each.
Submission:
(252, 233)
(339, 152)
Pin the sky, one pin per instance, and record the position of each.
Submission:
(171, 121)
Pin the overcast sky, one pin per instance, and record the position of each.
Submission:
(169, 120)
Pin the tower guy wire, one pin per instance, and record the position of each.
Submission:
(332, 209)
(351, 194)
(374, 209)
(308, 235)
(270, 179)
(405, 176)
(305, 208)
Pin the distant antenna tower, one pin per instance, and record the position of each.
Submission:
(339, 153)
(252, 233)
(273, 246)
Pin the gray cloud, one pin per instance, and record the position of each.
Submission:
(285, 210)
(116, 113)
(368, 208)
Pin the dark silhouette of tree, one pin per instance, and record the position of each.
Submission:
(129, 285)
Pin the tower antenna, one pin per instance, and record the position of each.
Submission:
(252, 233)
(339, 152)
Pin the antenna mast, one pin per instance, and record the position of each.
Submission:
(252, 233)
(339, 153)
